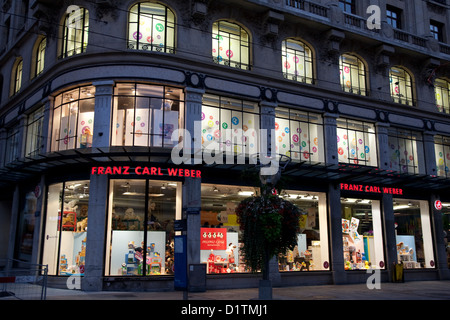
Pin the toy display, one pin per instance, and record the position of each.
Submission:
(406, 256)
(134, 260)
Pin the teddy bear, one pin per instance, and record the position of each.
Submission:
(69, 219)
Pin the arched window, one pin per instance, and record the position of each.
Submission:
(17, 76)
(151, 26)
(353, 75)
(75, 31)
(297, 61)
(441, 92)
(230, 45)
(401, 86)
(40, 56)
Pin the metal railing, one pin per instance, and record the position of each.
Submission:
(23, 281)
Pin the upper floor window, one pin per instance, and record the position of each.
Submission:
(17, 76)
(73, 119)
(356, 141)
(12, 145)
(442, 153)
(75, 32)
(401, 86)
(230, 45)
(229, 125)
(442, 94)
(436, 30)
(393, 16)
(40, 56)
(151, 26)
(347, 6)
(299, 135)
(146, 115)
(406, 151)
(35, 133)
(352, 74)
(297, 61)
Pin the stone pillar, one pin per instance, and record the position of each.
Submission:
(334, 202)
(383, 145)
(47, 125)
(98, 193)
(192, 186)
(3, 137)
(429, 154)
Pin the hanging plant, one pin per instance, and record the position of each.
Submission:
(269, 226)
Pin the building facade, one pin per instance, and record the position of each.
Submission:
(98, 97)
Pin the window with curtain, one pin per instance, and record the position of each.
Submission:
(297, 61)
(441, 91)
(442, 153)
(75, 33)
(230, 45)
(151, 26)
(401, 86)
(353, 75)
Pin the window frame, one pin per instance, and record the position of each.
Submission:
(405, 80)
(304, 60)
(40, 57)
(437, 30)
(18, 76)
(218, 30)
(360, 67)
(84, 31)
(35, 135)
(415, 139)
(394, 17)
(348, 6)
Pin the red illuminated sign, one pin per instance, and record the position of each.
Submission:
(147, 171)
(438, 205)
(370, 189)
(213, 238)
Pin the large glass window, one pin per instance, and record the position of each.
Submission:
(353, 75)
(141, 227)
(441, 92)
(297, 61)
(75, 32)
(406, 151)
(299, 135)
(401, 86)
(219, 223)
(66, 228)
(229, 125)
(311, 251)
(356, 142)
(446, 228)
(230, 45)
(413, 233)
(151, 26)
(35, 133)
(12, 145)
(362, 234)
(17, 79)
(146, 115)
(442, 153)
(347, 6)
(73, 119)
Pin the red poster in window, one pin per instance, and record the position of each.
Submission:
(213, 238)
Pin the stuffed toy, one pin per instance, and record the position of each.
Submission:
(69, 219)
(82, 225)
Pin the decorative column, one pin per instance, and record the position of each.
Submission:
(192, 186)
(98, 193)
(334, 202)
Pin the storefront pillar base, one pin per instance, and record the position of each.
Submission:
(265, 290)
(339, 277)
(92, 284)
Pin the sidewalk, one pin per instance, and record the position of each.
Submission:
(414, 290)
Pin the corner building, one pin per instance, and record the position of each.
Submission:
(93, 96)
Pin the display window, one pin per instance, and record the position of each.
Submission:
(140, 238)
(146, 115)
(406, 151)
(442, 154)
(230, 45)
(446, 228)
(66, 228)
(441, 92)
(297, 61)
(229, 125)
(362, 234)
(353, 75)
(413, 233)
(311, 251)
(356, 142)
(219, 232)
(299, 135)
(151, 26)
(12, 145)
(73, 119)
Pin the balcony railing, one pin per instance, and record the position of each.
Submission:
(308, 6)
